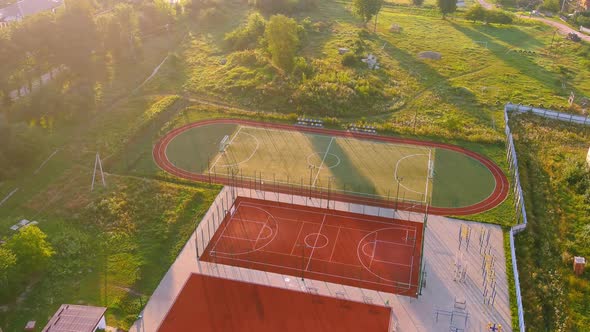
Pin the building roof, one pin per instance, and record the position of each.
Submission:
(71, 317)
(209, 303)
(24, 8)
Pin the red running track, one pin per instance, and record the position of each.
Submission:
(308, 242)
(211, 304)
(494, 199)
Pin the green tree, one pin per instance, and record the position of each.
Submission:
(77, 36)
(282, 38)
(7, 265)
(476, 13)
(31, 249)
(246, 35)
(7, 271)
(447, 7)
(367, 9)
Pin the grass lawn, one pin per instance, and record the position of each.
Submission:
(559, 224)
(113, 245)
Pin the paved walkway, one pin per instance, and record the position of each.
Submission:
(440, 295)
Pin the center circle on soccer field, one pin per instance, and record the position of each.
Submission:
(452, 179)
(323, 160)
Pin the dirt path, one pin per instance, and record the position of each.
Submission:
(562, 28)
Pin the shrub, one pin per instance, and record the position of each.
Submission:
(349, 60)
(551, 5)
(283, 6)
(246, 35)
(418, 3)
(498, 16)
(476, 13)
(583, 19)
(301, 69)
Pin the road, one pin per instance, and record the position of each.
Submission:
(563, 28)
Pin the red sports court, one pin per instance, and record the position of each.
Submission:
(209, 303)
(340, 247)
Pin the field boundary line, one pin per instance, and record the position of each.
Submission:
(323, 160)
(335, 243)
(428, 174)
(228, 144)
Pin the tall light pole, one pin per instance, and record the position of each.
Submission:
(399, 180)
(311, 168)
(329, 187)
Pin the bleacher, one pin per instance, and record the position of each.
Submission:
(301, 121)
(362, 129)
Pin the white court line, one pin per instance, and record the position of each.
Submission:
(374, 251)
(315, 243)
(260, 232)
(391, 263)
(335, 243)
(221, 153)
(236, 237)
(390, 224)
(223, 231)
(298, 235)
(397, 227)
(407, 285)
(323, 160)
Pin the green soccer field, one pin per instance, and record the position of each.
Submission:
(355, 166)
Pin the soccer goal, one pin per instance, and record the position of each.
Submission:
(224, 143)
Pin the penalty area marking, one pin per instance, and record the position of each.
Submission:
(249, 157)
(402, 185)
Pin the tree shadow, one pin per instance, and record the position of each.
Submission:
(346, 175)
(521, 63)
(462, 98)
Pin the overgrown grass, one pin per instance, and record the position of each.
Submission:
(114, 244)
(559, 219)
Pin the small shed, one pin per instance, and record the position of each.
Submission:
(80, 318)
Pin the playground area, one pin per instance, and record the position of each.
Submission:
(367, 168)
